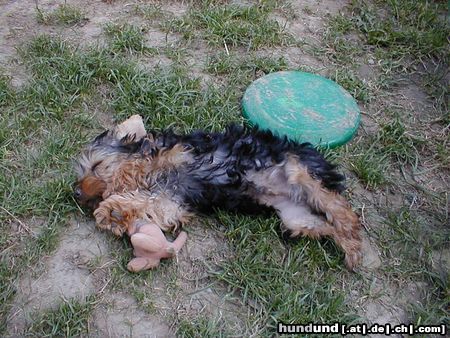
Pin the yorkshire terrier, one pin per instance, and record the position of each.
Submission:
(127, 174)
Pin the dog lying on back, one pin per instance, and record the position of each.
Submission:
(126, 174)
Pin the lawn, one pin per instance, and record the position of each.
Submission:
(70, 69)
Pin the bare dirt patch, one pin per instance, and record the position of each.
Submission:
(119, 315)
(182, 288)
(63, 276)
(204, 251)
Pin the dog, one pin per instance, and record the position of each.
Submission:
(166, 178)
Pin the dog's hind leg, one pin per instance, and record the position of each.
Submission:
(298, 220)
(346, 225)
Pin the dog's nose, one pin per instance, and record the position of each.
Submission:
(77, 193)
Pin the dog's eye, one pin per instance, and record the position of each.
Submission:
(95, 165)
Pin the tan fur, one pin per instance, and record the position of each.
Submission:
(122, 173)
(292, 192)
(118, 212)
(93, 186)
(170, 159)
(346, 225)
(128, 177)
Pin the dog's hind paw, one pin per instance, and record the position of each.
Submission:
(102, 218)
(117, 229)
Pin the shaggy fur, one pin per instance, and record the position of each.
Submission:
(165, 177)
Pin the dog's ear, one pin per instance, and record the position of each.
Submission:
(92, 187)
(134, 126)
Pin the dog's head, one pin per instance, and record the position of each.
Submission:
(101, 158)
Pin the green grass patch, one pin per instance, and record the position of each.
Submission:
(240, 71)
(41, 131)
(64, 14)
(244, 68)
(63, 77)
(268, 274)
(151, 12)
(6, 92)
(37, 176)
(402, 36)
(233, 25)
(410, 27)
(370, 167)
(392, 146)
(70, 319)
(434, 309)
(437, 88)
(354, 85)
(412, 243)
(60, 76)
(396, 141)
(171, 97)
(340, 46)
(126, 38)
(443, 152)
(201, 327)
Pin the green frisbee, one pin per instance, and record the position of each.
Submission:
(303, 106)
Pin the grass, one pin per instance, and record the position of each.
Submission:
(125, 37)
(238, 72)
(232, 25)
(37, 151)
(170, 97)
(430, 312)
(70, 319)
(403, 40)
(64, 14)
(413, 244)
(151, 12)
(397, 142)
(414, 238)
(6, 92)
(393, 146)
(370, 167)
(201, 327)
(401, 35)
(60, 76)
(409, 27)
(353, 84)
(244, 68)
(269, 272)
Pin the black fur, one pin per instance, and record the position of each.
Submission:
(217, 176)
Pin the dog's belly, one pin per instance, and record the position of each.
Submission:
(205, 188)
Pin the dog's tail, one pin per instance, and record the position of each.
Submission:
(346, 225)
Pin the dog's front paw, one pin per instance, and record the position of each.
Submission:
(117, 229)
(102, 218)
